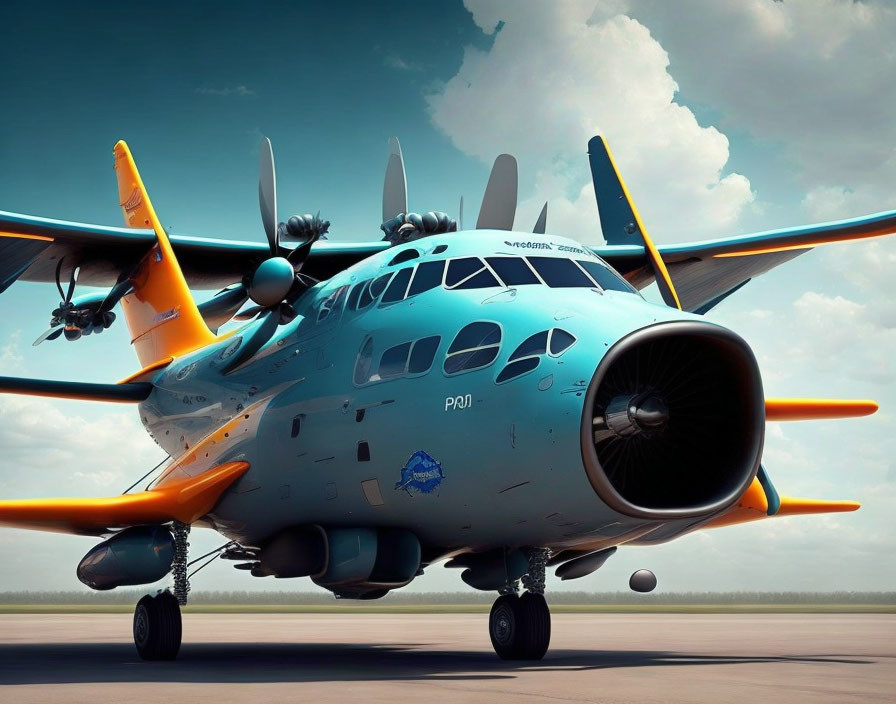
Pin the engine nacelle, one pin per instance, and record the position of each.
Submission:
(351, 562)
(138, 555)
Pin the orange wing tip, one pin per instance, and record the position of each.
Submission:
(785, 409)
(791, 506)
(185, 500)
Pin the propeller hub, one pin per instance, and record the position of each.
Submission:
(271, 281)
(629, 415)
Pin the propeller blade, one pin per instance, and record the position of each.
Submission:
(58, 282)
(256, 339)
(73, 279)
(249, 313)
(460, 213)
(498, 208)
(618, 212)
(267, 194)
(221, 308)
(116, 293)
(542, 222)
(50, 334)
(395, 186)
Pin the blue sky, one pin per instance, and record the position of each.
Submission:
(725, 116)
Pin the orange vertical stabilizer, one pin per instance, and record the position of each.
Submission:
(161, 313)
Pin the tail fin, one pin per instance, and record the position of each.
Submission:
(161, 313)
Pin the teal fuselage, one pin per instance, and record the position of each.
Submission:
(330, 442)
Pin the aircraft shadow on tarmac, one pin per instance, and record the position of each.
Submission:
(287, 662)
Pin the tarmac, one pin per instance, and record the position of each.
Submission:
(644, 658)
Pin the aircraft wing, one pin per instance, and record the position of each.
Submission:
(31, 246)
(705, 273)
(184, 500)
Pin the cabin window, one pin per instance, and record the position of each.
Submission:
(518, 368)
(475, 346)
(362, 365)
(394, 361)
(560, 273)
(513, 270)
(534, 345)
(560, 341)
(423, 354)
(398, 286)
(606, 277)
(404, 256)
(440, 248)
(428, 276)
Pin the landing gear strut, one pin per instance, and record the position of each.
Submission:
(520, 626)
(157, 622)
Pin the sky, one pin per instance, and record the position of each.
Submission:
(725, 117)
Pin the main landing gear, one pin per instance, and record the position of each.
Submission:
(520, 626)
(157, 627)
(157, 622)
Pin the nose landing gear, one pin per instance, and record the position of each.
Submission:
(520, 626)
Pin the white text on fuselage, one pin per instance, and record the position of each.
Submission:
(458, 403)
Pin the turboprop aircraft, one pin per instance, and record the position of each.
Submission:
(503, 400)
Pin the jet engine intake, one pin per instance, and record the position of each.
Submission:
(674, 421)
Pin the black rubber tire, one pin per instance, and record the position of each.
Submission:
(505, 626)
(535, 632)
(157, 627)
(170, 625)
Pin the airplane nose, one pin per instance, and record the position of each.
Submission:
(674, 421)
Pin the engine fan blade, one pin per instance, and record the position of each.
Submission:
(50, 334)
(256, 339)
(542, 222)
(267, 194)
(498, 208)
(395, 186)
(618, 212)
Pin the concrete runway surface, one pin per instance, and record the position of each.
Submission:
(448, 658)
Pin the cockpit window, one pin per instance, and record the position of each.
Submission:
(428, 276)
(460, 269)
(474, 347)
(366, 299)
(398, 286)
(560, 273)
(534, 345)
(379, 284)
(355, 295)
(332, 304)
(513, 270)
(606, 277)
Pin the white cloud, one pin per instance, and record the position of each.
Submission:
(239, 91)
(555, 76)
